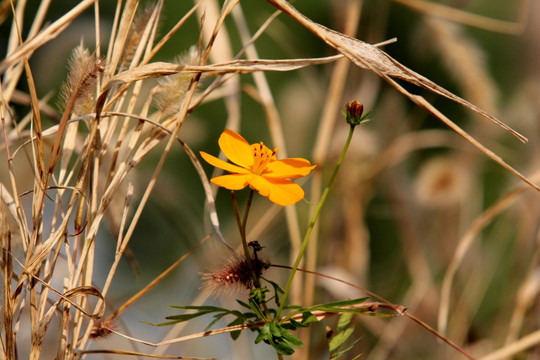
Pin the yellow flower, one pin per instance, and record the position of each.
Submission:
(256, 165)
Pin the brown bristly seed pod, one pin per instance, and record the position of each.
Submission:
(234, 275)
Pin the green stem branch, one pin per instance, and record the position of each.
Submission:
(312, 224)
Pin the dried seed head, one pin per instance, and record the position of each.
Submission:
(80, 86)
(135, 34)
(234, 275)
(172, 89)
(442, 182)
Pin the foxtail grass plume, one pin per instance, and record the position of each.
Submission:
(173, 88)
(256, 165)
(81, 83)
(135, 34)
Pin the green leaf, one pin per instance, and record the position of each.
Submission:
(160, 324)
(274, 329)
(256, 309)
(339, 339)
(186, 317)
(200, 308)
(277, 290)
(217, 317)
(236, 334)
(342, 352)
(289, 307)
(331, 307)
(292, 325)
(346, 302)
(238, 314)
(336, 305)
(308, 318)
(293, 340)
(264, 333)
(243, 304)
(344, 321)
(281, 346)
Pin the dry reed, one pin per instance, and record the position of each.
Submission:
(72, 178)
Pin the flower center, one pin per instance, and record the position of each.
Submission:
(261, 157)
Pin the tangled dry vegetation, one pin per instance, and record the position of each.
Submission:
(463, 255)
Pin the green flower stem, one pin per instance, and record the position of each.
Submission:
(312, 224)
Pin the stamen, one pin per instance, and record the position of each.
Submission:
(261, 157)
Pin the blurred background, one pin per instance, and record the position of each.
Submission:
(402, 219)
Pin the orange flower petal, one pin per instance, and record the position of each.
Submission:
(236, 148)
(288, 168)
(279, 191)
(232, 182)
(214, 161)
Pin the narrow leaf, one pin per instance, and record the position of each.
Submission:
(237, 321)
(344, 321)
(339, 339)
(186, 317)
(293, 340)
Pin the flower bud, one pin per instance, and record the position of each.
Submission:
(354, 113)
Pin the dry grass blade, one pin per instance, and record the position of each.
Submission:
(134, 353)
(51, 32)
(465, 243)
(209, 195)
(196, 163)
(116, 47)
(426, 105)
(8, 201)
(8, 343)
(226, 9)
(37, 120)
(464, 17)
(166, 38)
(5, 8)
(526, 342)
(154, 282)
(69, 294)
(80, 177)
(370, 57)
(159, 69)
(465, 61)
